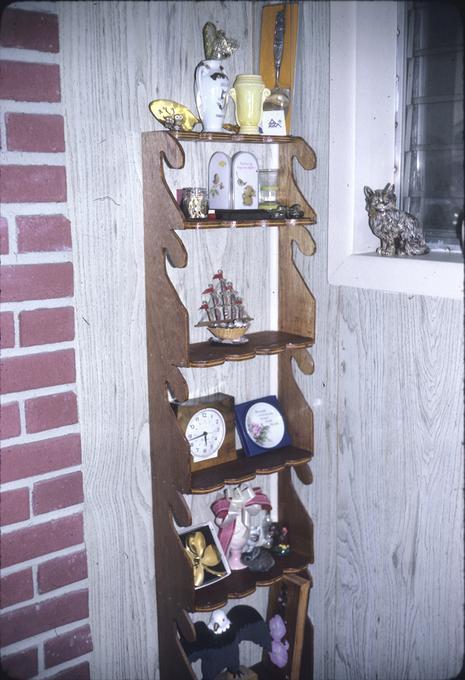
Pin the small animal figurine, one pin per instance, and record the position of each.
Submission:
(279, 649)
(258, 559)
(399, 231)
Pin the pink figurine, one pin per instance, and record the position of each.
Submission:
(278, 654)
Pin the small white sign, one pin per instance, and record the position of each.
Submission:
(244, 177)
(274, 123)
(219, 181)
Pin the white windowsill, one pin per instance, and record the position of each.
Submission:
(436, 274)
(362, 152)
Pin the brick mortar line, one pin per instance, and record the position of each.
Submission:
(50, 672)
(16, 328)
(30, 56)
(30, 481)
(24, 436)
(30, 305)
(29, 158)
(35, 580)
(40, 660)
(40, 638)
(10, 106)
(52, 208)
(12, 210)
(82, 584)
(31, 394)
(13, 106)
(36, 6)
(12, 236)
(36, 206)
(37, 257)
(44, 477)
(22, 418)
(28, 209)
(34, 56)
(43, 518)
(31, 350)
(40, 559)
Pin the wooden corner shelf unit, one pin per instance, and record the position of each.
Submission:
(168, 319)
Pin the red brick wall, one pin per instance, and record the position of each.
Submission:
(44, 619)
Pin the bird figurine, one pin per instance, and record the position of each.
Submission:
(216, 44)
(217, 644)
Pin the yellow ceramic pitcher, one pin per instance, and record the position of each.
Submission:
(249, 93)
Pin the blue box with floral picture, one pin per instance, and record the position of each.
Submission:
(261, 426)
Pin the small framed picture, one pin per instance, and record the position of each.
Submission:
(204, 551)
(261, 426)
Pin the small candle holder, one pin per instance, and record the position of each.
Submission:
(268, 189)
(194, 203)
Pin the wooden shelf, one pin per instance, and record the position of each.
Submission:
(244, 582)
(246, 468)
(202, 354)
(230, 138)
(241, 224)
(167, 318)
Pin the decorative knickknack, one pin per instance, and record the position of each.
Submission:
(400, 232)
(249, 93)
(211, 82)
(223, 312)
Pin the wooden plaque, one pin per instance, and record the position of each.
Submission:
(267, 68)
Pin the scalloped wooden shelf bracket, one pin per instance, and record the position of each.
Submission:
(169, 453)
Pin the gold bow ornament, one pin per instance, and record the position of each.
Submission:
(202, 557)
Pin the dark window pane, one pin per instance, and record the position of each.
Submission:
(438, 75)
(433, 144)
(439, 123)
(436, 173)
(438, 24)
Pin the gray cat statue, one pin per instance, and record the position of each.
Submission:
(399, 232)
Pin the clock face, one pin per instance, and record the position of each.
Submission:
(205, 433)
(264, 425)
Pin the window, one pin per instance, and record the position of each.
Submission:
(363, 111)
(431, 120)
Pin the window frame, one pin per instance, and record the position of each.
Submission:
(364, 96)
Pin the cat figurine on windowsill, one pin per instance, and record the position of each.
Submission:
(399, 232)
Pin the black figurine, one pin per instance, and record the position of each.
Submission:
(217, 645)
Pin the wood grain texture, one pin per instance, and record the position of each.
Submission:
(400, 512)
(396, 557)
(267, 65)
(310, 119)
(118, 57)
(387, 496)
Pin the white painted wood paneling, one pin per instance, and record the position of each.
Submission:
(399, 509)
(116, 57)
(386, 392)
(311, 120)
(387, 501)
